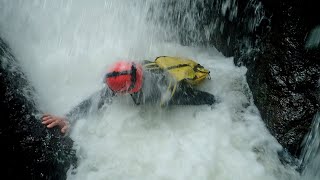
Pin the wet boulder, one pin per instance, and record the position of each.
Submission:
(283, 74)
(29, 150)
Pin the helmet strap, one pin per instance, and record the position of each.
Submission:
(133, 76)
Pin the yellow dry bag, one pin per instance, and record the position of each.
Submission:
(183, 69)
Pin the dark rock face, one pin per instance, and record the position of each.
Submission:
(284, 76)
(268, 37)
(29, 150)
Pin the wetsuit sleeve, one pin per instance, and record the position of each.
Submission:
(187, 95)
(93, 104)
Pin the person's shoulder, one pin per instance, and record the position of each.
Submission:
(144, 62)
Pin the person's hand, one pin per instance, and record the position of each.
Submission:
(52, 121)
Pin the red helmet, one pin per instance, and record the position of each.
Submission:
(124, 76)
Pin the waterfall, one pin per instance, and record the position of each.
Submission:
(65, 46)
(310, 154)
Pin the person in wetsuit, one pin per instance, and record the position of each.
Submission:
(145, 85)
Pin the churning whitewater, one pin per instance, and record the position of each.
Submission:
(65, 48)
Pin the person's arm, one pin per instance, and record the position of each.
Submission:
(91, 105)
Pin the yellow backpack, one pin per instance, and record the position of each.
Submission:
(181, 69)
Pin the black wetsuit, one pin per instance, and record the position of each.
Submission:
(155, 84)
